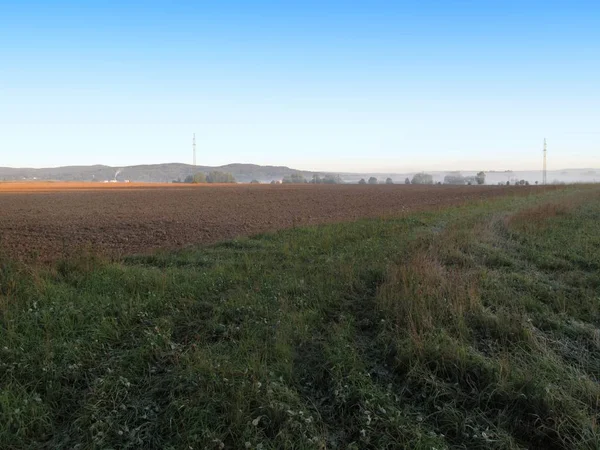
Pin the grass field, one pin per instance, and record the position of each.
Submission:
(468, 327)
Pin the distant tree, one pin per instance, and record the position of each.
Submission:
(508, 183)
(480, 178)
(326, 179)
(362, 181)
(526, 183)
(522, 183)
(199, 178)
(373, 180)
(178, 180)
(294, 178)
(536, 183)
(389, 181)
(331, 179)
(189, 179)
(275, 182)
(422, 178)
(454, 178)
(255, 182)
(220, 177)
(407, 181)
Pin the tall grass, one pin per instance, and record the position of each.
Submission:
(470, 327)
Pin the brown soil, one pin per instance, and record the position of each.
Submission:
(49, 220)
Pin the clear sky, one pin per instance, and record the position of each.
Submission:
(324, 85)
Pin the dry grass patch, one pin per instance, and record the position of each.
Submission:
(539, 217)
(423, 294)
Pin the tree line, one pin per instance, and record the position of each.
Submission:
(455, 178)
(425, 178)
(211, 177)
(296, 178)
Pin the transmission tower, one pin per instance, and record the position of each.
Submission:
(194, 147)
(545, 173)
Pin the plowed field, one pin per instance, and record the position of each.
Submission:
(48, 220)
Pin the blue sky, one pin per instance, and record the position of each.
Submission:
(338, 85)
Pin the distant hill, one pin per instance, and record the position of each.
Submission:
(148, 173)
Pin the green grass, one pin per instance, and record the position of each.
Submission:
(470, 327)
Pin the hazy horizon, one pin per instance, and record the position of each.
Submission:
(386, 170)
(374, 86)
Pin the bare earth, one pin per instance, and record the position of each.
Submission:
(48, 220)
